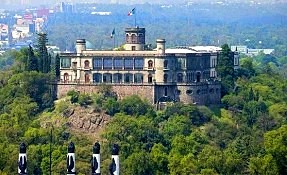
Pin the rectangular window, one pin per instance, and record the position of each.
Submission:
(181, 63)
(108, 63)
(189, 77)
(118, 63)
(138, 78)
(66, 62)
(97, 63)
(128, 78)
(74, 65)
(213, 62)
(129, 63)
(139, 63)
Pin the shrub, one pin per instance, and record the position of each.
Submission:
(84, 100)
(74, 96)
(111, 106)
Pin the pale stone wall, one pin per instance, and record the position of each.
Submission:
(143, 91)
(199, 94)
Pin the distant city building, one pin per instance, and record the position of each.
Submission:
(66, 7)
(39, 24)
(4, 34)
(185, 74)
(251, 52)
(101, 13)
(43, 13)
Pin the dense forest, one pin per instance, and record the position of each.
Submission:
(246, 134)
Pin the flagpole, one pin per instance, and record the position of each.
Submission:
(114, 41)
(135, 19)
(113, 35)
(117, 42)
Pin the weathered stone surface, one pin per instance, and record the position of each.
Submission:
(144, 91)
(87, 120)
(68, 112)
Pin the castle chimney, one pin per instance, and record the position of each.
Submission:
(160, 46)
(80, 46)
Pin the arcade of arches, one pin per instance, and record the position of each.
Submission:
(118, 78)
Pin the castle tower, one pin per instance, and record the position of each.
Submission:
(162, 64)
(160, 46)
(135, 38)
(80, 46)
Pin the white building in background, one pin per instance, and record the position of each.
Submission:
(250, 52)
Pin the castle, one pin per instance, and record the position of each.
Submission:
(185, 74)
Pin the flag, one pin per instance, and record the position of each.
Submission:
(113, 33)
(132, 12)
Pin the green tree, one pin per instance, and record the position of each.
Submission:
(246, 68)
(138, 163)
(43, 53)
(225, 69)
(111, 106)
(84, 100)
(57, 67)
(32, 64)
(211, 158)
(276, 145)
(176, 125)
(131, 133)
(134, 105)
(159, 158)
(182, 164)
(265, 165)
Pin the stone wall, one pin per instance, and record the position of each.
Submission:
(198, 93)
(143, 91)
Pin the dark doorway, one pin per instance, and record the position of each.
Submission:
(198, 77)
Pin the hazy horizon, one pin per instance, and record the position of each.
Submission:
(27, 3)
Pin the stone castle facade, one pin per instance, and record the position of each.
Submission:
(185, 74)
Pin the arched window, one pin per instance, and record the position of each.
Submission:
(128, 78)
(150, 64)
(87, 64)
(66, 77)
(117, 78)
(165, 77)
(138, 78)
(179, 77)
(149, 78)
(127, 38)
(165, 63)
(107, 78)
(97, 78)
(87, 78)
(134, 38)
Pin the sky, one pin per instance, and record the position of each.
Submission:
(37, 2)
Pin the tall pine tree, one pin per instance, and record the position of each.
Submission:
(57, 66)
(32, 62)
(49, 62)
(225, 69)
(43, 53)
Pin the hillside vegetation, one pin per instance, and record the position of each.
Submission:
(246, 135)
